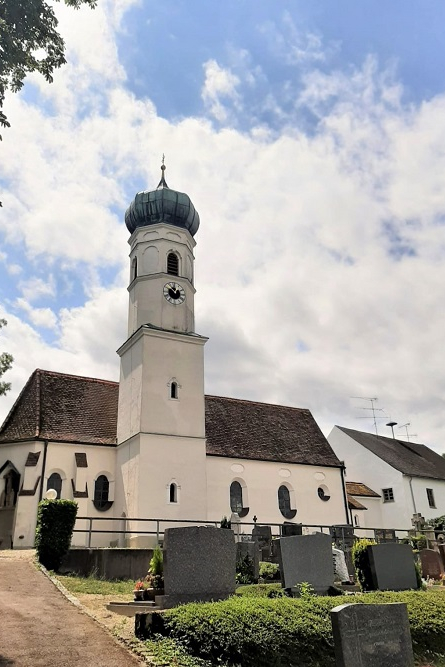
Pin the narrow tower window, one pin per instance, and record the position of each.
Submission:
(55, 482)
(134, 268)
(174, 390)
(173, 493)
(172, 264)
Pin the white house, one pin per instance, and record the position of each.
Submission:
(402, 478)
(154, 446)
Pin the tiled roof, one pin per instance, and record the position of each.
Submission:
(250, 430)
(354, 504)
(409, 458)
(68, 408)
(359, 489)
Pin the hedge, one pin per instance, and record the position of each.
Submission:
(283, 632)
(55, 524)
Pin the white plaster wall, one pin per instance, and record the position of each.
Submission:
(262, 480)
(363, 466)
(419, 486)
(130, 387)
(369, 518)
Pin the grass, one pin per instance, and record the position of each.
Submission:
(94, 586)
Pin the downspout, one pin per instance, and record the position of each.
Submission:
(345, 497)
(412, 494)
(42, 478)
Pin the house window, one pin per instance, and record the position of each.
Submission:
(55, 482)
(388, 495)
(173, 493)
(356, 521)
(236, 497)
(101, 491)
(430, 495)
(323, 493)
(134, 269)
(172, 264)
(174, 390)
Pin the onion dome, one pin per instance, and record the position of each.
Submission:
(162, 205)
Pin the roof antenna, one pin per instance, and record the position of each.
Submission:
(392, 424)
(373, 408)
(408, 435)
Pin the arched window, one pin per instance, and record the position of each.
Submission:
(174, 390)
(134, 268)
(323, 493)
(236, 497)
(55, 482)
(101, 491)
(173, 493)
(172, 264)
(284, 502)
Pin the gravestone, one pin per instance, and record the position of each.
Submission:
(392, 567)
(288, 529)
(199, 565)
(372, 635)
(306, 558)
(383, 535)
(263, 535)
(249, 549)
(340, 568)
(343, 538)
(431, 564)
(442, 553)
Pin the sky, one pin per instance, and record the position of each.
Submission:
(310, 136)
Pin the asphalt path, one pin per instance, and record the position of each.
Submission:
(40, 627)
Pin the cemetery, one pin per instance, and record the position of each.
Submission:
(193, 598)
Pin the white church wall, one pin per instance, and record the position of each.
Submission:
(369, 518)
(364, 466)
(262, 480)
(419, 486)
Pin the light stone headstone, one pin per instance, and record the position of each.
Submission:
(392, 567)
(372, 635)
(306, 558)
(340, 568)
(199, 564)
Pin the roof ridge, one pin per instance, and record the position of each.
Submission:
(16, 403)
(247, 400)
(41, 371)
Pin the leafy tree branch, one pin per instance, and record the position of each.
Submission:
(5, 364)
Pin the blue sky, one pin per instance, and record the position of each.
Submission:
(311, 139)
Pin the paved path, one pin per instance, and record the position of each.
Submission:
(40, 627)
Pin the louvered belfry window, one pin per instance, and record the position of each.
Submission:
(172, 264)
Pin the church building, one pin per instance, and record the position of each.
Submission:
(154, 446)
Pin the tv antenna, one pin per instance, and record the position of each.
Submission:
(372, 408)
(408, 435)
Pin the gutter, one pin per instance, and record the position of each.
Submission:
(412, 493)
(42, 478)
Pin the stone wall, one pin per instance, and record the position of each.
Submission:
(108, 563)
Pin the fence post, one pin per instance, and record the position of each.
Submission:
(90, 528)
(157, 532)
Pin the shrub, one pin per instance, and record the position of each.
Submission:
(269, 570)
(245, 570)
(260, 590)
(55, 524)
(360, 558)
(284, 632)
(225, 523)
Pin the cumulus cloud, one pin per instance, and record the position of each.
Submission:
(320, 256)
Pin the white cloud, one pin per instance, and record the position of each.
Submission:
(220, 85)
(40, 317)
(34, 288)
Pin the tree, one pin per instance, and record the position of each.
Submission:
(5, 364)
(29, 42)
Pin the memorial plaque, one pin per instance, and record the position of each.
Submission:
(306, 558)
(392, 567)
(372, 635)
(431, 564)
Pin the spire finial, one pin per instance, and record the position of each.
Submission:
(162, 183)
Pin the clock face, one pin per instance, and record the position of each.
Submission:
(174, 293)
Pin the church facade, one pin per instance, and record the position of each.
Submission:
(154, 446)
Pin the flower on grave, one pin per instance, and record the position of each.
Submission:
(139, 586)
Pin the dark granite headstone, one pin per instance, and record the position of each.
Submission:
(392, 567)
(263, 535)
(288, 529)
(431, 564)
(251, 551)
(199, 564)
(307, 558)
(342, 535)
(442, 553)
(384, 535)
(372, 635)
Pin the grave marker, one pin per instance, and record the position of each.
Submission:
(431, 564)
(392, 567)
(306, 558)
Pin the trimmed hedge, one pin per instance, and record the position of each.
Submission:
(283, 632)
(55, 524)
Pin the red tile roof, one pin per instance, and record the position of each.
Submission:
(69, 408)
(360, 489)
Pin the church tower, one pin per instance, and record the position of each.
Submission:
(161, 454)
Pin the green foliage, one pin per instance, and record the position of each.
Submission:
(94, 586)
(29, 42)
(225, 523)
(245, 571)
(269, 570)
(361, 563)
(163, 652)
(155, 576)
(5, 358)
(304, 590)
(256, 632)
(55, 524)
(259, 590)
